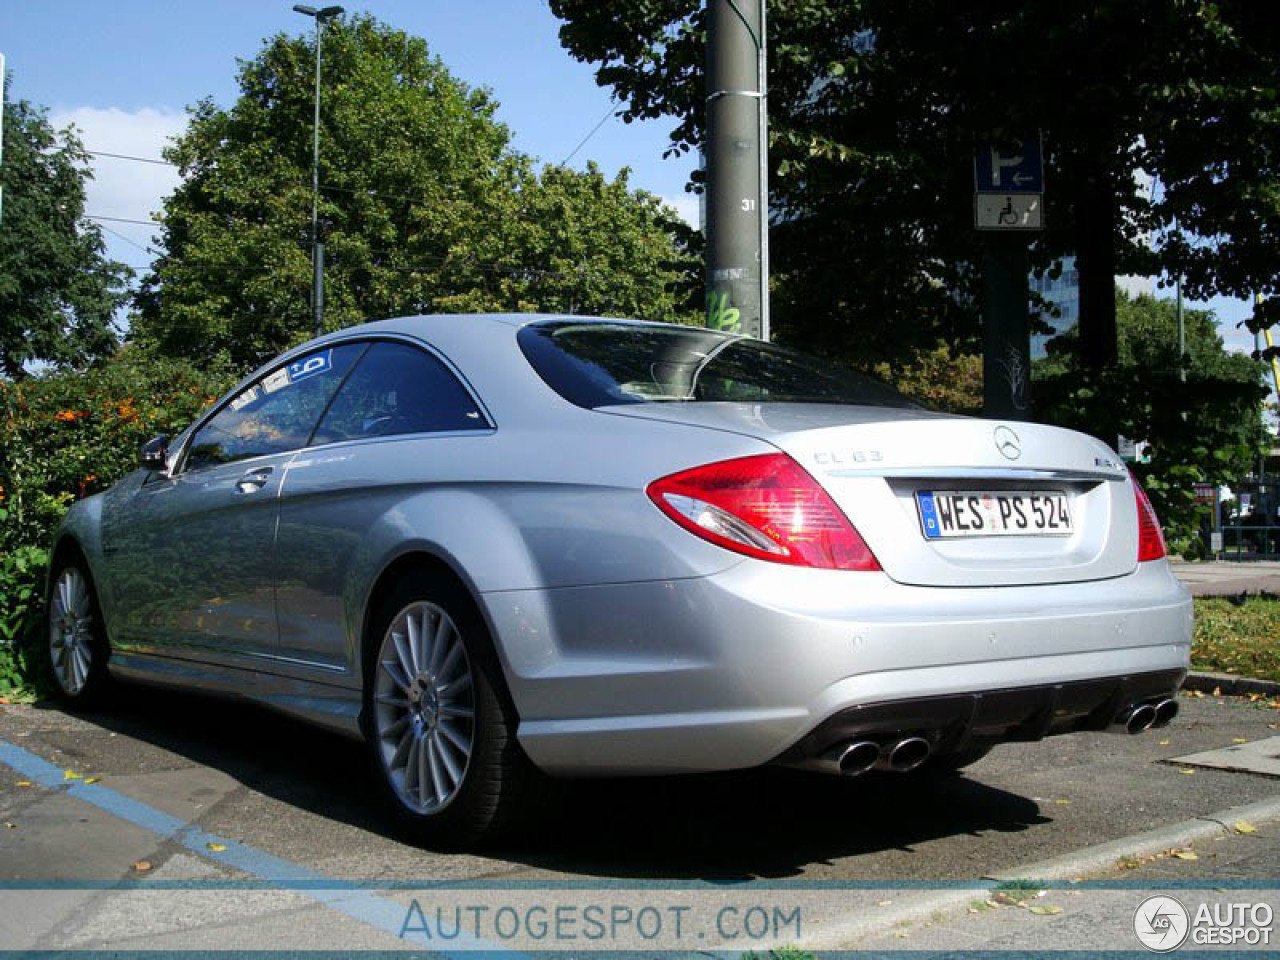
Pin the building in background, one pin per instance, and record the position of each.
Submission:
(1063, 292)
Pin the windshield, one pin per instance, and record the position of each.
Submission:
(599, 364)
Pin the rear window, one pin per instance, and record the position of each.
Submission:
(600, 364)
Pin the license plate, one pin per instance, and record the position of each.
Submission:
(945, 514)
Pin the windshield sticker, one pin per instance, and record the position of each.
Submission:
(245, 398)
(315, 364)
(275, 381)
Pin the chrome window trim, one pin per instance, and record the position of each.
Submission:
(180, 461)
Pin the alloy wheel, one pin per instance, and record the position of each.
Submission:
(424, 707)
(71, 631)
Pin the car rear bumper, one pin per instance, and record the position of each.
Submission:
(753, 664)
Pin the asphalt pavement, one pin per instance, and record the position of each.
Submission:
(178, 776)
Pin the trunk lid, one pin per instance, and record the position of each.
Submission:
(873, 461)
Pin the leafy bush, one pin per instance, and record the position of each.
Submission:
(67, 435)
(1202, 423)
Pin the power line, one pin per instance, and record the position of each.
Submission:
(125, 156)
(140, 223)
(583, 142)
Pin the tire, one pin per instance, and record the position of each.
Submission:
(948, 763)
(438, 725)
(76, 648)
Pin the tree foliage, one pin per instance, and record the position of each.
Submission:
(58, 292)
(1202, 418)
(875, 109)
(426, 208)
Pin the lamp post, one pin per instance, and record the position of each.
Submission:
(317, 247)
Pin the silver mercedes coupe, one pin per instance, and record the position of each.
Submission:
(496, 545)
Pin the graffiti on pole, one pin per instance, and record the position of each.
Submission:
(721, 314)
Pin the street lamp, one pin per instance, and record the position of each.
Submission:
(317, 248)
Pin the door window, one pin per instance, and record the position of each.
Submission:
(276, 413)
(397, 389)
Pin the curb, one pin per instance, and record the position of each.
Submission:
(1230, 685)
(845, 933)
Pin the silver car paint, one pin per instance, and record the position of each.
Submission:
(619, 632)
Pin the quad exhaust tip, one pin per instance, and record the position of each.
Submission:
(908, 754)
(858, 757)
(1166, 710)
(1136, 719)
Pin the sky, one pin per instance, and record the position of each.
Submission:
(125, 72)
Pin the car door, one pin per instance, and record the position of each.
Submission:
(192, 552)
(400, 413)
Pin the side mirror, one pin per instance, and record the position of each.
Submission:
(154, 454)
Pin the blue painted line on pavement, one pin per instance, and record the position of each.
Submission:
(378, 912)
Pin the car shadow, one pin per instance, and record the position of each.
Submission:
(765, 823)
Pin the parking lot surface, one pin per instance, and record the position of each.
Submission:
(298, 801)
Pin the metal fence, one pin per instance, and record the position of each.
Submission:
(1250, 543)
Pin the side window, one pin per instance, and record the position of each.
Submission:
(397, 389)
(276, 413)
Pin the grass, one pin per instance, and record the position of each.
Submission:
(1243, 639)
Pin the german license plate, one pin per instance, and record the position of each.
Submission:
(945, 514)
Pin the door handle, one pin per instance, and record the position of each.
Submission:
(254, 480)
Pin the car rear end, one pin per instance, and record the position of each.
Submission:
(911, 585)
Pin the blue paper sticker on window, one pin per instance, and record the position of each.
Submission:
(310, 366)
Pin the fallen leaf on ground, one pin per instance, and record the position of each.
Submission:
(70, 775)
(5, 700)
(1062, 803)
(1164, 743)
(142, 866)
(216, 847)
(1187, 771)
(92, 779)
(1239, 739)
(1045, 911)
(1244, 826)
(1186, 855)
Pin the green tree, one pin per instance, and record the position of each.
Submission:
(1202, 418)
(58, 292)
(875, 109)
(426, 206)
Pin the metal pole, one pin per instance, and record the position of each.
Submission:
(2, 85)
(735, 258)
(762, 84)
(1006, 359)
(1182, 335)
(317, 248)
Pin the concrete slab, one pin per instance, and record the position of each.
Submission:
(1261, 757)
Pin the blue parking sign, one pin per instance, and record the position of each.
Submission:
(1009, 167)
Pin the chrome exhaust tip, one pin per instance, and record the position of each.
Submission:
(858, 757)
(908, 754)
(1134, 719)
(1166, 710)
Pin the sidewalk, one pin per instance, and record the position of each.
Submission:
(1225, 578)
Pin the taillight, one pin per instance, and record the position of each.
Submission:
(766, 507)
(1150, 536)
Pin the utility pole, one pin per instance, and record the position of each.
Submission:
(737, 163)
(2, 79)
(317, 245)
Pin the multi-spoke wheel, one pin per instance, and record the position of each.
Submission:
(77, 654)
(424, 709)
(440, 728)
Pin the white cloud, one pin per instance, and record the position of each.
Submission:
(126, 188)
(687, 206)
